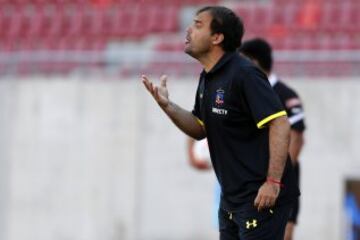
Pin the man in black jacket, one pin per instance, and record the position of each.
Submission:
(246, 126)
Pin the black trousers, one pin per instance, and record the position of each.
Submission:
(249, 224)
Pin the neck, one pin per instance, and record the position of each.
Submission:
(209, 60)
(268, 73)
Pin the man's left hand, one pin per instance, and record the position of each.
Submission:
(267, 196)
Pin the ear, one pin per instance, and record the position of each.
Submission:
(218, 38)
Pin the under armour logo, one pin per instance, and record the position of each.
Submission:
(252, 224)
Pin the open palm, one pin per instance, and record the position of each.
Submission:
(160, 93)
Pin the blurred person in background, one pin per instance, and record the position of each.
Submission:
(246, 126)
(198, 153)
(352, 210)
(199, 159)
(260, 52)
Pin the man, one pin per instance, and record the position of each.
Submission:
(246, 127)
(259, 51)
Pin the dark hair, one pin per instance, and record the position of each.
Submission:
(260, 50)
(225, 21)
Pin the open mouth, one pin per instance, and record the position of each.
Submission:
(187, 40)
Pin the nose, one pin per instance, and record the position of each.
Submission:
(188, 29)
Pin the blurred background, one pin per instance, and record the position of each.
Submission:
(86, 154)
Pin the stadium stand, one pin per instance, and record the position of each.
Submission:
(83, 25)
(313, 25)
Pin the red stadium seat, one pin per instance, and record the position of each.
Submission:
(83, 25)
(5, 21)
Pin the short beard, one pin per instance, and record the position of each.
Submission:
(189, 52)
(196, 55)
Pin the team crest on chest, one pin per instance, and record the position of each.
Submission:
(219, 103)
(219, 98)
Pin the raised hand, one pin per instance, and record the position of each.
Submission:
(160, 93)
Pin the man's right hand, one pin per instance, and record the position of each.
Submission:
(182, 118)
(160, 93)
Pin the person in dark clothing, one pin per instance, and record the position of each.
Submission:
(246, 126)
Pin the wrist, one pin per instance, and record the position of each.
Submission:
(168, 107)
(274, 181)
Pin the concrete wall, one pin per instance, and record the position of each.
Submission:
(89, 159)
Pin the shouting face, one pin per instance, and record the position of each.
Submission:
(198, 40)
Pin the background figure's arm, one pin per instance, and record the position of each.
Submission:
(197, 163)
(296, 144)
(183, 119)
